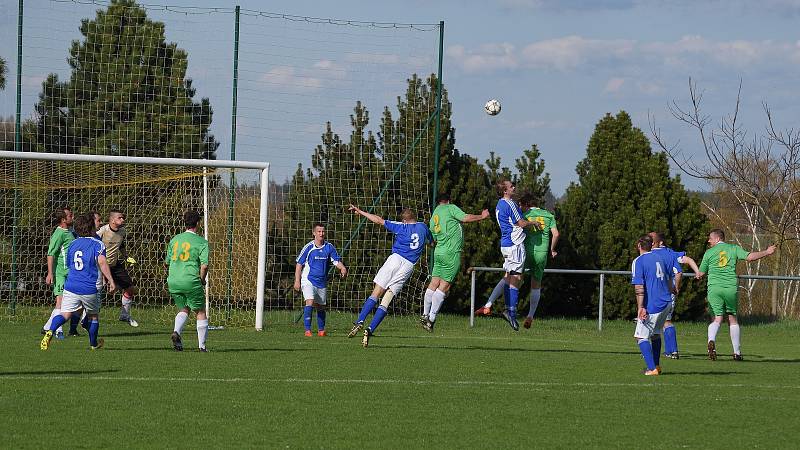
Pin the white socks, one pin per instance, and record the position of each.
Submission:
(436, 303)
(202, 331)
(180, 321)
(713, 327)
(536, 294)
(426, 309)
(496, 293)
(735, 339)
(55, 312)
(126, 304)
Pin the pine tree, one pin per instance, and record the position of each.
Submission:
(624, 190)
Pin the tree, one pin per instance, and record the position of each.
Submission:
(758, 174)
(2, 73)
(623, 191)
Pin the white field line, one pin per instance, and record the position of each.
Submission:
(469, 384)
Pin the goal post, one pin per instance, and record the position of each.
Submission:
(143, 188)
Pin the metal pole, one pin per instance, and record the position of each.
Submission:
(231, 200)
(262, 248)
(437, 142)
(600, 309)
(472, 300)
(17, 148)
(205, 231)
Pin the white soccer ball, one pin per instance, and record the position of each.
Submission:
(492, 107)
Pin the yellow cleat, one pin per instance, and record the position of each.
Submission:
(48, 336)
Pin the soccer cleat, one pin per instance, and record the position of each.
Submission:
(177, 343)
(737, 357)
(511, 319)
(712, 351)
(673, 355)
(428, 325)
(356, 328)
(44, 331)
(202, 350)
(423, 319)
(100, 343)
(60, 335)
(365, 339)
(133, 322)
(528, 322)
(483, 311)
(652, 373)
(307, 333)
(45, 344)
(321, 333)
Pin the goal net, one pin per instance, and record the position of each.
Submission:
(153, 194)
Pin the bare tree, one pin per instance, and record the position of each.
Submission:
(761, 173)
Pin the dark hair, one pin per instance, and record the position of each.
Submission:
(527, 198)
(645, 242)
(60, 214)
(317, 224)
(191, 218)
(659, 236)
(720, 234)
(84, 224)
(408, 214)
(443, 197)
(115, 211)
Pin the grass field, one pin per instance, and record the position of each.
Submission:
(560, 384)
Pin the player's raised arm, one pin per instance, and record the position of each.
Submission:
(475, 217)
(371, 217)
(754, 256)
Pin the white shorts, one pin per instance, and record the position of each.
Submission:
(311, 292)
(73, 302)
(653, 325)
(394, 273)
(513, 258)
(670, 309)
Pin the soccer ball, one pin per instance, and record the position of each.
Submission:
(492, 107)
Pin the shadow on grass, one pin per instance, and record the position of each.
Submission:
(710, 372)
(210, 349)
(135, 333)
(57, 372)
(503, 349)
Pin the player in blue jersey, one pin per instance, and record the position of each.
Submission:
(311, 275)
(86, 267)
(652, 280)
(410, 238)
(670, 336)
(512, 246)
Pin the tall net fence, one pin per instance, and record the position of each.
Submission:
(344, 111)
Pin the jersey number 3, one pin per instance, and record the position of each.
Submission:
(184, 255)
(414, 241)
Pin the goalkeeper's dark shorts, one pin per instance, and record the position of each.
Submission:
(121, 277)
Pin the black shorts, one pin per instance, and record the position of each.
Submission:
(121, 278)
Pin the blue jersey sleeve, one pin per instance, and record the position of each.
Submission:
(515, 212)
(302, 258)
(637, 273)
(334, 255)
(392, 226)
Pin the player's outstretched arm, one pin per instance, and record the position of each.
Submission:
(755, 256)
(103, 264)
(686, 260)
(475, 217)
(371, 217)
(525, 223)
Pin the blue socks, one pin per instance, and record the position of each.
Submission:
(307, 317)
(378, 318)
(57, 322)
(655, 342)
(513, 298)
(647, 352)
(507, 293)
(321, 319)
(94, 327)
(74, 320)
(369, 304)
(670, 340)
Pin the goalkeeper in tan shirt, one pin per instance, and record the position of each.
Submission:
(113, 236)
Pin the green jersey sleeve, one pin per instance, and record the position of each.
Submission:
(458, 213)
(204, 250)
(741, 254)
(56, 241)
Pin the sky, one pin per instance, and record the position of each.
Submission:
(557, 67)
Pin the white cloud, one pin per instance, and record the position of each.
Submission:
(614, 85)
(485, 58)
(290, 78)
(571, 52)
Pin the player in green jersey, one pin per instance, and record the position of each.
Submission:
(539, 245)
(56, 261)
(445, 226)
(719, 262)
(187, 260)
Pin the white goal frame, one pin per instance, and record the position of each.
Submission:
(263, 167)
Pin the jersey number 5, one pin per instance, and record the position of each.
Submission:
(723, 259)
(436, 226)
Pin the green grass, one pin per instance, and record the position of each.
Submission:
(560, 384)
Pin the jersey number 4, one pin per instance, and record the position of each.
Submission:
(184, 255)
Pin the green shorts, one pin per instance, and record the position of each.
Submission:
(723, 300)
(194, 299)
(535, 262)
(446, 266)
(58, 284)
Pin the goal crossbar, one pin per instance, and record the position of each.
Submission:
(263, 167)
